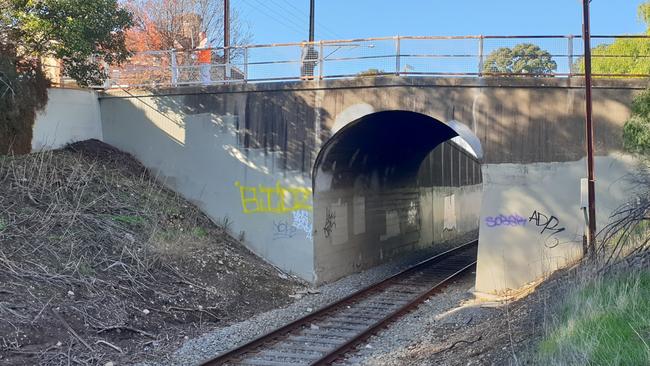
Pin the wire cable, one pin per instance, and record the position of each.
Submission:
(289, 27)
(303, 15)
(300, 28)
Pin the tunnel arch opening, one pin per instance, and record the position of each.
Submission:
(388, 184)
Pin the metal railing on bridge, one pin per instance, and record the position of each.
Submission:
(457, 56)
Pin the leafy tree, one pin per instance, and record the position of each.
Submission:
(81, 33)
(166, 24)
(644, 12)
(524, 58)
(606, 58)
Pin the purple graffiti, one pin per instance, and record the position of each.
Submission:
(503, 220)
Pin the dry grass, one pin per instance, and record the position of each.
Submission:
(99, 262)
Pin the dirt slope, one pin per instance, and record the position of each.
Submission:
(100, 263)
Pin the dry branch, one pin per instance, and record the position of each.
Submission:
(72, 331)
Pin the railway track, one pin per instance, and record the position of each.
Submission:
(326, 335)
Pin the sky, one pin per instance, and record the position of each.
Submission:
(276, 21)
(287, 21)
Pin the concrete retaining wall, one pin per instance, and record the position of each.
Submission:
(70, 115)
(531, 221)
(199, 156)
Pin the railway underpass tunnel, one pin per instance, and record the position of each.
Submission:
(390, 184)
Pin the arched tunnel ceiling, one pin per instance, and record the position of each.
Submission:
(391, 144)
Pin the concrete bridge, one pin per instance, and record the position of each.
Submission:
(325, 178)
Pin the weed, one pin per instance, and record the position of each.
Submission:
(85, 269)
(128, 219)
(225, 223)
(199, 232)
(3, 225)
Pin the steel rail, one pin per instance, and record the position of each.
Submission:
(349, 346)
(279, 334)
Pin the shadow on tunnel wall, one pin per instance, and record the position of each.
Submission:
(235, 155)
(387, 185)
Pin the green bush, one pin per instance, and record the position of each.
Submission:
(641, 105)
(636, 135)
(636, 131)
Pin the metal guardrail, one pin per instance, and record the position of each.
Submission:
(458, 56)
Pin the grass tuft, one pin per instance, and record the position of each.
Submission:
(199, 232)
(127, 219)
(606, 322)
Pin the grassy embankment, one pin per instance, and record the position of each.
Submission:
(604, 321)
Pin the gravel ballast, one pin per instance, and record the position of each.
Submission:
(220, 340)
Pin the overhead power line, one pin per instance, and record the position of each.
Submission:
(295, 25)
(304, 15)
(280, 21)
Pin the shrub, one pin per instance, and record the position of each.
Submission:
(636, 131)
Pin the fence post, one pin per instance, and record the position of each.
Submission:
(245, 64)
(397, 55)
(481, 61)
(570, 55)
(174, 67)
(107, 82)
(227, 66)
(321, 60)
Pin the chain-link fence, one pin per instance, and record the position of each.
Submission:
(465, 56)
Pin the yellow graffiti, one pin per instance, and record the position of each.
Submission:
(278, 199)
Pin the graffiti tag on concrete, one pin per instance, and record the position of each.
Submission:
(330, 222)
(412, 214)
(302, 221)
(277, 199)
(283, 230)
(503, 220)
(549, 224)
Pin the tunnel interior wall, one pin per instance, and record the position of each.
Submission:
(361, 226)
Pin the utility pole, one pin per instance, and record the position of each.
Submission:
(226, 37)
(586, 35)
(311, 20)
